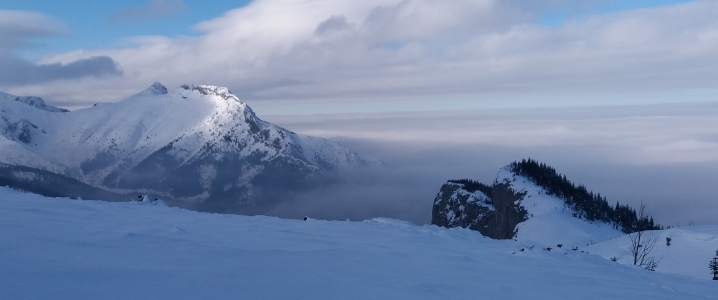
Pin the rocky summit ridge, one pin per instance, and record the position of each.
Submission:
(198, 146)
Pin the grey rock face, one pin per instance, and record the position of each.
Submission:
(493, 211)
(508, 212)
(458, 206)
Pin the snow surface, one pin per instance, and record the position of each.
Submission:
(75, 249)
(155, 89)
(550, 221)
(690, 251)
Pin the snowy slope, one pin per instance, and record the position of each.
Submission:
(71, 249)
(192, 117)
(550, 222)
(538, 218)
(197, 143)
(22, 125)
(689, 253)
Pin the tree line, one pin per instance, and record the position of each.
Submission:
(584, 203)
(473, 186)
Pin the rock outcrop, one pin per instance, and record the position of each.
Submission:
(531, 201)
(492, 210)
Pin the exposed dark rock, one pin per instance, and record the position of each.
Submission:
(465, 204)
(455, 206)
(508, 213)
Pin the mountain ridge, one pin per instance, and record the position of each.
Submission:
(33, 101)
(199, 143)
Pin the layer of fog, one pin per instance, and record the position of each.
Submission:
(664, 155)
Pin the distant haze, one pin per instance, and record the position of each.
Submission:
(664, 155)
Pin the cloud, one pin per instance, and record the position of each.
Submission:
(333, 24)
(17, 71)
(155, 9)
(628, 135)
(390, 48)
(19, 30)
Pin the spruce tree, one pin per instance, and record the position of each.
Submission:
(714, 266)
(584, 203)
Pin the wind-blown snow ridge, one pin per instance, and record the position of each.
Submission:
(208, 90)
(155, 89)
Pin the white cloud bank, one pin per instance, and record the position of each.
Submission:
(362, 49)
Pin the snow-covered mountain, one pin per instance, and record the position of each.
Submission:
(36, 102)
(516, 207)
(69, 249)
(198, 146)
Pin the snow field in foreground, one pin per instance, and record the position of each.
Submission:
(72, 249)
(690, 251)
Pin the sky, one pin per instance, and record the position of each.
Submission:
(103, 24)
(93, 24)
(618, 94)
(472, 54)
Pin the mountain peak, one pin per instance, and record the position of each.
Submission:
(35, 102)
(155, 89)
(207, 90)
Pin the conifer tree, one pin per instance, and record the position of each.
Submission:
(714, 266)
(584, 203)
